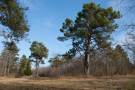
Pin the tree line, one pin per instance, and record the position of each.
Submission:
(92, 52)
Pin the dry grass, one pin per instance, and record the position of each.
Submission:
(69, 83)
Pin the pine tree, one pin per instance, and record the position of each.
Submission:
(91, 29)
(122, 60)
(9, 58)
(12, 15)
(28, 70)
(38, 53)
(25, 66)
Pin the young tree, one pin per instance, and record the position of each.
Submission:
(25, 66)
(28, 70)
(91, 29)
(38, 52)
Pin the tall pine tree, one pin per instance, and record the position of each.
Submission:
(91, 29)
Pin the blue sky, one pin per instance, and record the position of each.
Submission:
(45, 18)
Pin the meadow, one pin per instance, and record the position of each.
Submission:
(69, 83)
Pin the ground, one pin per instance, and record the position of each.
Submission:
(69, 83)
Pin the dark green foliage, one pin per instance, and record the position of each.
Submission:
(91, 29)
(25, 66)
(28, 71)
(12, 16)
(38, 50)
(121, 52)
(38, 53)
(69, 54)
(11, 46)
(92, 21)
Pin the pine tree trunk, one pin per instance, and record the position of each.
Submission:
(37, 69)
(85, 63)
(8, 68)
(2, 67)
(87, 58)
(5, 69)
(88, 61)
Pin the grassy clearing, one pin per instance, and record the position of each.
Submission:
(69, 83)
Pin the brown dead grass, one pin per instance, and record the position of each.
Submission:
(69, 83)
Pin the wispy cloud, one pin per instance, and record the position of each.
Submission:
(48, 24)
